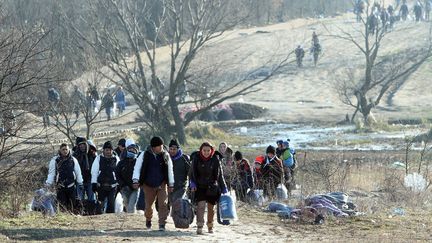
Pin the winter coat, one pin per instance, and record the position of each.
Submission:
(124, 172)
(181, 167)
(149, 161)
(64, 172)
(103, 170)
(204, 173)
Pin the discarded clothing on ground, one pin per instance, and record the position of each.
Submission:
(44, 201)
(336, 203)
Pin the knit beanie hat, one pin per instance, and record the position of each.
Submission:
(80, 140)
(107, 144)
(238, 155)
(122, 142)
(174, 143)
(270, 150)
(156, 141)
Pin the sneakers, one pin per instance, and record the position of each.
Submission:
(148, 224)
(161, 227)
(200, 231)
(210, 230)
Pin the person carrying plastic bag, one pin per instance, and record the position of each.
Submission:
(207, 183)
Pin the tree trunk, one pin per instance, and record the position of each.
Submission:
(179, 125)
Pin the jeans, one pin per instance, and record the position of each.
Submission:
(87, 191)
(66, 198)
(110, 196)
(130, 198)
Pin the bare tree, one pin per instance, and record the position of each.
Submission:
(25, 64)
(152, 51)
(381, 72)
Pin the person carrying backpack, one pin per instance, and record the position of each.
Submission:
(207, 183)
(153, 171)
(124, 173)
(64, 174)
(181, 167)
(103, 179)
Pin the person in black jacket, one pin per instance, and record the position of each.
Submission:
(103, 178)
(124, 172)
(65, 174)
(121, 147)
(272, 171)
(154, 172)
(108, 104)
(243, 179)
(181, 166)
(81, 154)
(207, 183)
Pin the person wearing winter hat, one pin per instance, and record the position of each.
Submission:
(81, 155)
(272, 171)
(65, 174)
(153, 171)
(244, 178)
(124, 172)
(207, 182)
(181, 166)
(121, 148)
(103, 177)
(279, 148)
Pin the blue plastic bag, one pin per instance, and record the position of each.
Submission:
(227, 208)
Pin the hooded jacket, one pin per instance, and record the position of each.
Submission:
(83, 161)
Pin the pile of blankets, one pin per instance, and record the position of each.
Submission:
(336, 203)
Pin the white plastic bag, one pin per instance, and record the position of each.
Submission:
(281, 192)
(118, 203)
(416, 182)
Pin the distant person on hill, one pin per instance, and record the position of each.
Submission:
(428, 7)
(108, 104)
(403, 12)
(418, 11)
(372, 24)
(359, 9)
(316, 48)
(299, 52)
(120, 99)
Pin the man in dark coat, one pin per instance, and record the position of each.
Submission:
(103, 177)
(181, 166)
(81, 154)
(65, 174)
(154, 173)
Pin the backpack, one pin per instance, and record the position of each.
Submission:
(182, 213)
